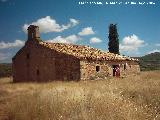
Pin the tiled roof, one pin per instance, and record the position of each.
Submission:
(84, 52)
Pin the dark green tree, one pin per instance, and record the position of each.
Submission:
(113, 39)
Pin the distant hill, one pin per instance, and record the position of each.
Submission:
(150, 61)
(5, 69)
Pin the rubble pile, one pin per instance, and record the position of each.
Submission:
(84, 52)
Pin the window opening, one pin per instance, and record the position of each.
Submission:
(37, 72)
(97, 68)
(124, 66)
(28, 55)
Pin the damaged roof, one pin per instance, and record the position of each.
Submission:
(84, 52)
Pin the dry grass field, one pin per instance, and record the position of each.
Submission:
(133, 98)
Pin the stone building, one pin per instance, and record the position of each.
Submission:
(44, 61)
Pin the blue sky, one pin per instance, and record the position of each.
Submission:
(70, 22)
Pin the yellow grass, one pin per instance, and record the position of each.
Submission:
(133, 98)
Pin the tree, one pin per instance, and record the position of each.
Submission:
(113, 39)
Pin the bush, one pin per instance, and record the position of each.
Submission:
(5, 70)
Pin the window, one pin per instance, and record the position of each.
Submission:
(37, 72)
(124, 66)
(28, 56)
(97, 68)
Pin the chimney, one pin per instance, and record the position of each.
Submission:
(33, 32)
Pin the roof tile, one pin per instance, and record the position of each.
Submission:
(85, 52)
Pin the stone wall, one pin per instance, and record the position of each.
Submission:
(126, 67)
(67, 68)
(88, 69)
(37, 63)
(129, 68)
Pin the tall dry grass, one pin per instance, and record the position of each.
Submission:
(132, 98)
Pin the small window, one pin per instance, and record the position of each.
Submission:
(28, 56)
(124, 66)
(97, 68)
(37, 72)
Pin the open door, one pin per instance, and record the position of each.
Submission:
(116, 70)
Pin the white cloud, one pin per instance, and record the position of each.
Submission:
(86, 31)
(47, 24)
(3, 0)
(4, 56)
(15, 44)
(95, 40)
(131, 43)
(153, 51)
(68, 39)
(158, 44)
(74, 22)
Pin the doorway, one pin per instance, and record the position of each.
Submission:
(116, 70)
